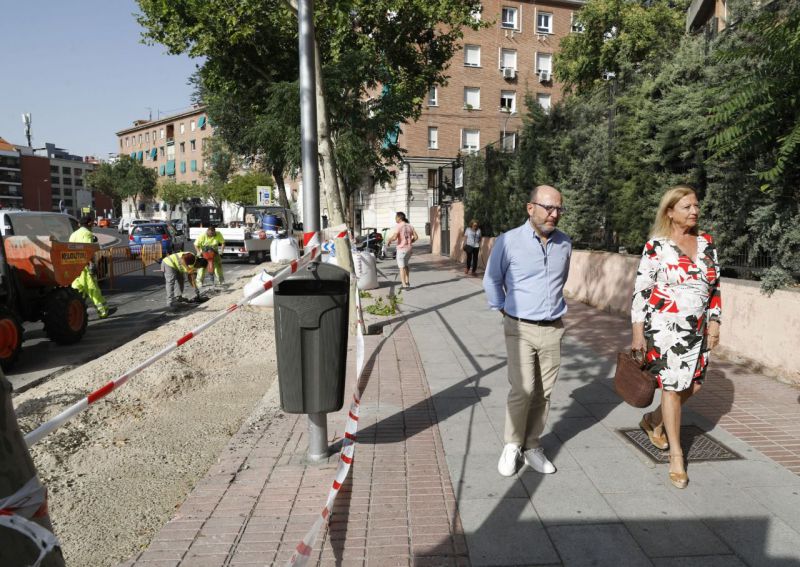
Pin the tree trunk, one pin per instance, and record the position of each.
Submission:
(16, 469)
(327, 159)
(277, 175)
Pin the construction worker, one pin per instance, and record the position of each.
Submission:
(210, 242)
(85, 283)
(174, 266)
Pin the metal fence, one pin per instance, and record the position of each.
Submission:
(120, 260)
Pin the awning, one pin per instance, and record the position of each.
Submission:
(171, 167)
(201, 121)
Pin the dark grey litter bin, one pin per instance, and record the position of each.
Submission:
(311, 310)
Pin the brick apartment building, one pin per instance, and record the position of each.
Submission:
(53, 182)
(483, 102)
(172, 146)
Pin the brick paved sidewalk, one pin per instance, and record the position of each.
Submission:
(396, 508)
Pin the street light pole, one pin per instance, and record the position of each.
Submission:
(317, 422)
(510, 113)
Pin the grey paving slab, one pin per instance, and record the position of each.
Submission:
(783, 501)
(699, 561)
(567, 497)
(586, 432)
(597, 545)
(617, 470)
(476, 477)
(663, 526)
(750, 474)
(723, 502)
(760, 541)
(505, 532)
(477, 437)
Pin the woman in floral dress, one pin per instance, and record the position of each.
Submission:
(676, 316)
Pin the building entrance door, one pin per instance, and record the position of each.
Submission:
(444, 222)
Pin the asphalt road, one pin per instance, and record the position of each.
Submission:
(141, 306)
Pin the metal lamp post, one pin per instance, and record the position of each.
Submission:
(509, 113)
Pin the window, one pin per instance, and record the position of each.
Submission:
(54, 180)
(183, 127)
(192, 125)
(472, 98)
(183, 147)
(509, 141)
(161, 151)
(67, 170)
(140, 139)
(192, 145)
(544, 62)
(544, 101)
(161, 133)
(575, 25)
(544, 22)
(66, 181)
(433, 178)
(68, 192)
(79, 183)
(472, 55)
(476, 14)
(470, 140)
(154, 136)
(509, 19)
(433, 96)
(433, 138)
(508, 101)
(147, 136)
(120, 143)
(77, 172)
(127, 142)
(53, 169)
(508, 59)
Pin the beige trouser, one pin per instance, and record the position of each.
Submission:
(534, 357)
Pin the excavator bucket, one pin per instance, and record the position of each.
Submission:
(42, 262)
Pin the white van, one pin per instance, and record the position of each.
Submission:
(37, 223)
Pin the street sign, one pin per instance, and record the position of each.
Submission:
(264, 195)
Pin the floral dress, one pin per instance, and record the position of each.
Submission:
(675, 297)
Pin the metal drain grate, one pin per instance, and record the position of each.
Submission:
(697, 446)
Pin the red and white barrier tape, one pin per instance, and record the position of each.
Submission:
(30, 501)
(49, 426)
(303, 550)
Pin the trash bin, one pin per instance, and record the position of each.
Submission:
(311, 310)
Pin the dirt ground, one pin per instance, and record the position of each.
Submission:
(116, 472)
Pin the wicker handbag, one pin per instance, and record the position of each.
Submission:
(634, 385)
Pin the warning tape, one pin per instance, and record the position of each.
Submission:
(302, 552)
(49, 426)
(30, 501)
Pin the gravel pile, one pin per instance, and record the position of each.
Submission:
(117, 472)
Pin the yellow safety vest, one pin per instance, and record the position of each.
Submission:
(205, 240)
(82, 235)
(174, 261)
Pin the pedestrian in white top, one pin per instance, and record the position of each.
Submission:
(472, 245)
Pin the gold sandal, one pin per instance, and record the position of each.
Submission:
(678, 480)
(658, 441)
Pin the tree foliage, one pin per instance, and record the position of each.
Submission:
(125, 179)
(241, 189)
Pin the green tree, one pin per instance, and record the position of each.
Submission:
(126, 179)
(241, 189)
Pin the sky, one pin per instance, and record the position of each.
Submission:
(80, 69)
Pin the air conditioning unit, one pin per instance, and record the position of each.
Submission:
(544, 76)
(509, 72)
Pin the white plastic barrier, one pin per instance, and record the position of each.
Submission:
(283, 250)
(366, 268)
(258, 281)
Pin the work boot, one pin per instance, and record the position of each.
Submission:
(105, 312)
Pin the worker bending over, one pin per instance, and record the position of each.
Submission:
(209, 245)
(174, 267)
(86, 283)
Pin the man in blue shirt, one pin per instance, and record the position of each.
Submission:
(525, 280)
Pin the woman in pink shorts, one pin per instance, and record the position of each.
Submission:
(405, 235)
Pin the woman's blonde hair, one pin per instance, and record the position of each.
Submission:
(662, 224)
(474, 221)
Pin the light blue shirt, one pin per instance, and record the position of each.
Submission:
(526, 278)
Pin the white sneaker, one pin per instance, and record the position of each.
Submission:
(536, 459)
(507, 465)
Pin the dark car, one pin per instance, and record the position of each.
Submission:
(150, 234)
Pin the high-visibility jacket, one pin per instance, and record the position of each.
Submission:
(204, 240)
(175, 261)
(83, 235)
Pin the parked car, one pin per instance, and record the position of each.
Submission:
(103, 222)
(150, 233)
(136, 222)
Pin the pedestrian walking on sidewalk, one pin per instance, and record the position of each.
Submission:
(86, 283)
(472, 245)
(405, 235)
(174, 267)
(675, 316)
(524, 280)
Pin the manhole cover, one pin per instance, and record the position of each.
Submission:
(697, 446)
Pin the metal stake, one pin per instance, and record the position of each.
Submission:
(317, 422)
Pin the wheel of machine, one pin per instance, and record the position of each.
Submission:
(10, 338)
(65, 316)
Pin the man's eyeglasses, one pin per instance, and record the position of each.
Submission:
(551, 208)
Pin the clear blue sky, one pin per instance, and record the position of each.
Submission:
(80, 69)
